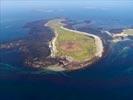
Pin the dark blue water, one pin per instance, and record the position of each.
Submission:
(109, 79)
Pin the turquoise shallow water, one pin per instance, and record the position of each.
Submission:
(111, 78)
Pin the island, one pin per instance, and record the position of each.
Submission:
(52, 45)
(125, 33)
(76, 49)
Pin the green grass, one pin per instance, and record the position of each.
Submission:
(129, 32)
(86, 43)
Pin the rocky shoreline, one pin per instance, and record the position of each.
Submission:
(39, 47)
(35, 44)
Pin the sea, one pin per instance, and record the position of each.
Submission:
(111, 78)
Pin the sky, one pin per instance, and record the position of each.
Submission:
(79, 2)
(87, 4)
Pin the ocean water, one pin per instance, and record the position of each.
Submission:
(109, 79)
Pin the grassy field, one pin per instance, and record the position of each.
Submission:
(129, 32)
(76, 46)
